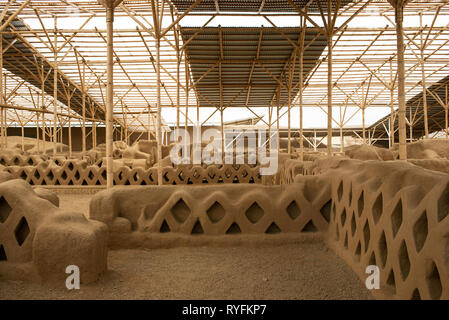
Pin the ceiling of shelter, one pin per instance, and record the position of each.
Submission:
(243, 67)
(364, 45)
(257, 5)
(22, 60)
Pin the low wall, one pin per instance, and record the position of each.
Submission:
(213, 210)
(78, 172)
(38, 240)
(393, 215)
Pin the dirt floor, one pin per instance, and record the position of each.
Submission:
(304, 270)
(299, 271)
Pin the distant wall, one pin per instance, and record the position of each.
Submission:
(30, 132)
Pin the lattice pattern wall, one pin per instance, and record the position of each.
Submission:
(39, 239)
(80, 173)
(395, 216)
(214, 210)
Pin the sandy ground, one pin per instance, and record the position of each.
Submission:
(300, 271)
(307, 270)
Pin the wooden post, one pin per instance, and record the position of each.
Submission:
(2, 102)
(70, 136)
(55, 86)
(301, 88)
(83, 88)
(278, 98)
(411, 125)
(330, 33)
(423, 82)
(157, 18)
(109, 92)
(399, 17)
(391, 104)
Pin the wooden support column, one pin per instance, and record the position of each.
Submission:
(55, 86)
(301, 87)
(399, 17)
(2, 101)
(157, 18)
(423, 82)
(391, 104)
(109, 4)
(83, 88)
(278, 106)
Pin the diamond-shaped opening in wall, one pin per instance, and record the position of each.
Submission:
(404, 261)
(340, 191)
(343, 217)
(5, 209)
(350, 194)
(353, 225)
(309, 227)
(254, 213)
(180, 211)
(345, 244)
(216, 212)
(391, 280)
(434, 283)
(366, 235)
(360, 204)
(358, 251)
(420, 231)
(326, 210)
(383, 249)
(293, 210)
(273, 229)
(164, 227)
(22, 231)
(396, 218)
(416, 295)
(197, 228)
(3, 254)
(234, 229)
(377, 208)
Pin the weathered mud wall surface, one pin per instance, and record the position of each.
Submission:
(131, 212)
(393, 215)
(79, 172)
(38, 240)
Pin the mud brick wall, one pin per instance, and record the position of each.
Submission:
(78, 172)
(38, 240)
(214, 210)
(393, 215)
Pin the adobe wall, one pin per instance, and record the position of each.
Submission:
(38, 240)
(134, 213)
(393, 215)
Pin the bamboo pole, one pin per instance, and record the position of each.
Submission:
(301, 88)
(55, 86)
(83, 88)
(399, 16)
(330, 33)
(1, 90)
(109, 92)
(391, 104)
(423, 82)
